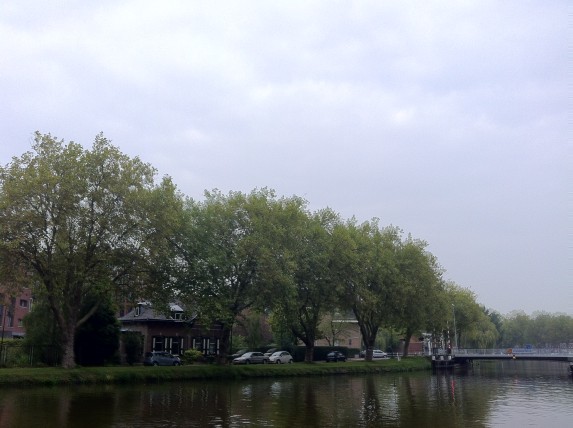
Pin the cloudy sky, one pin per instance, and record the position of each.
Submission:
(447, 119)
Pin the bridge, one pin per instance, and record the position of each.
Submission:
(467, 356)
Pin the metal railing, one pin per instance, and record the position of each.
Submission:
(516, 351)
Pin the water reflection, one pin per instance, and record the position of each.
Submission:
(487, 395)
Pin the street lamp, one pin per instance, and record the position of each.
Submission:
(455, 331)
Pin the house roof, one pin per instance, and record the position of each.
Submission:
(147, 313)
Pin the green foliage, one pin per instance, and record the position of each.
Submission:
(473, 326)
(43, 335)
(14, 353)
(366, 264)
(133, 344)
(239, 342)
(253, 327)
(540, 330)
(81, 223)
(229, 260)
(97, 340)
(416, 302)
(308, 289)
(282, 333)
(191, 356)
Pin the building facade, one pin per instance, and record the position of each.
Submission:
(13, 309)
(174, 332)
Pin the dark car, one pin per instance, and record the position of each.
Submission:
(157, 358)
(238, 353)
(335, 356)
(271, 352)
(252, 358)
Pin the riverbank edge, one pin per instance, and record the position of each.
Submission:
(53, 376)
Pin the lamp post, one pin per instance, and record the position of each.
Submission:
(455, 331)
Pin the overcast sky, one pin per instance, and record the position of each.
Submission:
(448, 119)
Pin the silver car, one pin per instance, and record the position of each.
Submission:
(157, 358)
(378, 354)
(252, 358)
(280, 357)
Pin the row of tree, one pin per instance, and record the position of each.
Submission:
(541, 329)
(83, 226)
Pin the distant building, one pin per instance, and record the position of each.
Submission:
(13, 309)
(341, 329)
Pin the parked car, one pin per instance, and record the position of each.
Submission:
(251, 358)
(335, 356)
(280, 357)
(157, 358)
(238, 353)
(270, 352)
(378, 354)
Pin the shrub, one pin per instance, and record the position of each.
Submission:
(191, 356)
(133, 346)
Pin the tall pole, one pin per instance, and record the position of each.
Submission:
(455, 331)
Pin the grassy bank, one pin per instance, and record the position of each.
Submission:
(140, 374)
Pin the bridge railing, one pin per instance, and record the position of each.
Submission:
(515, 351)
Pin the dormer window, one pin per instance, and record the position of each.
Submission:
(140, 306)
(176, 311)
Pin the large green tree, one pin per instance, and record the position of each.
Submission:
(366, 265)
(308, 293)
(227, 256)
(77, 223)
(417, 305)
(467, 319)
(541, 329)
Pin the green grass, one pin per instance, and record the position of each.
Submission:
(139, 374)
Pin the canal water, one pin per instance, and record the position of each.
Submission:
(492, 394)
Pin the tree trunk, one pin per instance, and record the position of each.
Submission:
(224, 349)
(309, 352)
(407, 342)
(369, 336)
(369, 352)
(67, 327)
(68, 357)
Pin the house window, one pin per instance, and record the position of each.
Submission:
(214, 347)
(158, 344)
(175, 345)
(23, 303)
(137, 310)
(10, 320)
(20, 323)
(177, 315)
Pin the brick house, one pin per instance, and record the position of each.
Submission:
(174, 332)
(13, 309)
(341, 330)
